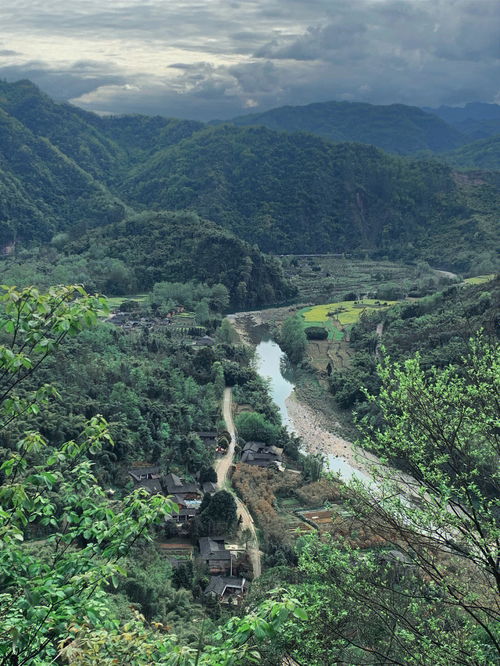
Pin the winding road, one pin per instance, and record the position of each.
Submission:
(222, 467)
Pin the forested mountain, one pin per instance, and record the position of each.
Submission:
(43, 190)
(438, 327)
(477, 120)
(63, 169)
(298, 193)
(482, 154)
(396, 128)
(182, 247)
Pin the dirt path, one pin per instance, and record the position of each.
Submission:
(223, 464)
(222, 468)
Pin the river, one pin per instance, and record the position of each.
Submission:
(272, 365)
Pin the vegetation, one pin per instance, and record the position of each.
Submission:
(427, 594)
(482, 154)
(65, 540)
(66, 171)
(438, 327)
(293, 339)
(335, 317)
(395, 128)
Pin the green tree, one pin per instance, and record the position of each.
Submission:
(253, 426)
(219, 516)
(51, 491)
(430, 595)
(293, 339)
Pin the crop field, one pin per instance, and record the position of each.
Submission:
(337, 317)
(479, 279)
(329, 278)
(115, 301)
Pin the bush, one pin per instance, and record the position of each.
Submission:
(316, 333)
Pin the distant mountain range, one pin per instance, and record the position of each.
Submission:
(396, 128)
(64, 169)
(475, 120)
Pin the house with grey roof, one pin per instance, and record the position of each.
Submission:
(261, 455)
(228, 589)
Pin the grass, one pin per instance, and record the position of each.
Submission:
(329, 278)
(116, 301)
(337, 316)
(479, 279)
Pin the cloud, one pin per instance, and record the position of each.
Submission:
(203, 59)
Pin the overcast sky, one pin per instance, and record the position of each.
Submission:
(208, 59)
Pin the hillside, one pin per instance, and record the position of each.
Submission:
(63, 169)
(396, 128)
(438, 327)
(42, 190)
(483, 154)
(183, 247)
(476, 120)
(293, 193)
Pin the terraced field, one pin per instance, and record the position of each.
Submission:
(338, 317)
(480, 279)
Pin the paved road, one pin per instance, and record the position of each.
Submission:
(222, 467)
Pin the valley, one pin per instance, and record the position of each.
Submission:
(274, 439)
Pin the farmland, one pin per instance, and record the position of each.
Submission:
(321, 279)
(480, 279)
(338, 317)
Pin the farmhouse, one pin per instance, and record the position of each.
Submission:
(148, 478)
(183, 491)
(229, 589)
(209, 438)
(262, 455)
(214, 554)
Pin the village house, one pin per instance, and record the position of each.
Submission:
(148, 478)
(262, 455)
(209, 438)
(214, 554)
(205, 341)
(183, 491)
(228, 589)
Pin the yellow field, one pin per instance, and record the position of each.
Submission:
(480, 279)
(345, 312)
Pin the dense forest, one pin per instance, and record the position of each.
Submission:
(65, 170)
(396, 128)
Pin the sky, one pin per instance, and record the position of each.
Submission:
(216, 59)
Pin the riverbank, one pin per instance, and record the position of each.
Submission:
(310, 425)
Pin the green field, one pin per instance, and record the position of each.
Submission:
(115, 301)
(321, 279)
(479, 279)
(338, 316)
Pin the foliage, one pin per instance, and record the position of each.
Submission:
(293, 339)
(396, 128)
(437, 326)
(316, 333)
(135, 644)
(429, 595)
(44, 585)
(218, 515)
(253, 426)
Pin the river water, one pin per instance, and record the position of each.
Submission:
(272, 365)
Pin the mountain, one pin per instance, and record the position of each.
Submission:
(63, 169)
(396, 128)
(42, 190)
(483, 154)
(477, 120)
(294, 193)
(182, 247)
